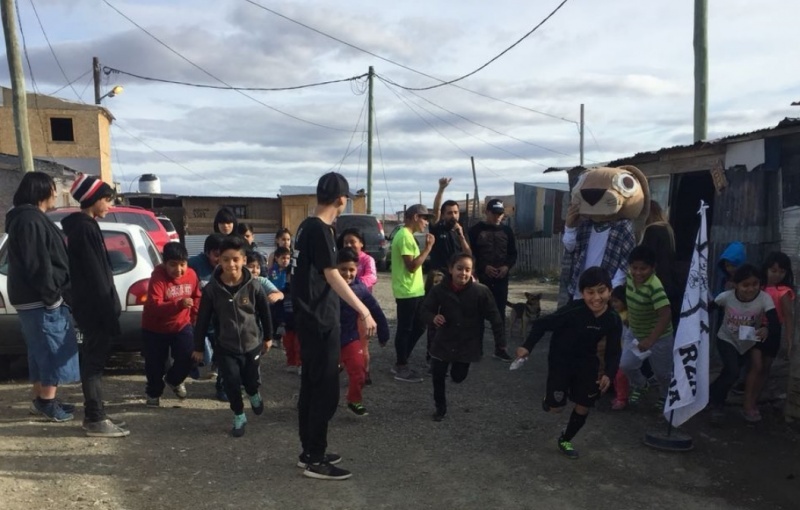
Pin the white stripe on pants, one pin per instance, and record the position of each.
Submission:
(660, 361)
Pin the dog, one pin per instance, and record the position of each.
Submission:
(524, 313)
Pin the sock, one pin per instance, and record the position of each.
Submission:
(576, 421)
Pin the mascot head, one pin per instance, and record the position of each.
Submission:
(608, 194)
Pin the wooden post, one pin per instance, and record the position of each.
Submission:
(369, 142)
(19, 97)
(700, 69)
(96, 77)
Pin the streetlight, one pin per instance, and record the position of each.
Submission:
(117, 90)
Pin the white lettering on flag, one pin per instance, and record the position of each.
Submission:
(688, 391)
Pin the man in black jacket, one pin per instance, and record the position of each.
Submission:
(96, 306)
(495, 251)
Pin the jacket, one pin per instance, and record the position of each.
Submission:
(163, 312)
(492, 245)
(38, 264)
(366, 270)
(202, 267)
(95, 303)
(349, 317)
(236, 316)
(734, 253)
(460, 339)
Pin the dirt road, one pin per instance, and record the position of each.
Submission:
(496, 449)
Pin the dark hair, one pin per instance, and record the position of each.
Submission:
(233, 243)
(783, 262)
(744, 272)
(618, 293)
(347, 255)
(35, 187)
(446, 204)
(593, 277)
(280, 251)
(225, 215)
(243, 228)
(352, 231)
(458, 256)
(281, 232)
(643, 254)
(251, 256)
(175, 251)
(213, 242)
(432, 274)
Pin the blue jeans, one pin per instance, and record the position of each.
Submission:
(52, 345)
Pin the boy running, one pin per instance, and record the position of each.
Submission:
(574, 367)
(173, 298)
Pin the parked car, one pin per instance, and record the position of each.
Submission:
(419, 237)
(169, 227)
(133, 256)
(131, 215)
(371, 228)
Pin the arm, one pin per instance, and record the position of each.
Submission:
(437, 201)
(204, 314)
(570, 239)
(429, 308)
(197, 295)
(344, 291)
(380, 318)
(773, 324)
(270, 290)
(664, 319)
(262, 311)
(38, 268)
(547, 323)
(465, 246)
(156, 303)
(411, 263)
(370, 276)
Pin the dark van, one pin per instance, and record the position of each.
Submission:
(371, 228)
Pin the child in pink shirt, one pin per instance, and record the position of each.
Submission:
(353, 238)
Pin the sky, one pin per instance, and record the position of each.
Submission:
(630, 62)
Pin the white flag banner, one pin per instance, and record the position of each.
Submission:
(688, 391)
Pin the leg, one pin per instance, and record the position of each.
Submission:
(230, 368)
(93, 356)
(760, 365)
(630, 365)
(156, 350)
(500, 293)
(417, 328)
(292, 348)
(621, 388)
(459, 371)
(661, 362)
(439, 375)
(251, 372)
(727, 378)
(576, 421)
(181, 344)
(353, 360)
(404, 318)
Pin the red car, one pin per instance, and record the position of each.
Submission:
(131, 215)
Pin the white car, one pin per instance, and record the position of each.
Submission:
(133, 256)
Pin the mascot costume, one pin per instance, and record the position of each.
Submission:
(607, 208)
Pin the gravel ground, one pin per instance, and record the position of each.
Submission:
(496, 449)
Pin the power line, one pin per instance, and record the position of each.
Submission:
(108, 70)
(175, 52)
(534, 29)
(52, 51)
(355, 130)
(59, 89)
(85, 87)
(383, 168)
(398, 64)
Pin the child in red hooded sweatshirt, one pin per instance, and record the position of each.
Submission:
(173, 299)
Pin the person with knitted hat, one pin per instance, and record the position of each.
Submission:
(96, 307)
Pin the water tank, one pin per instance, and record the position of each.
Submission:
(149, 183)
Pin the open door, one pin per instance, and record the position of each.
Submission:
(687, 191)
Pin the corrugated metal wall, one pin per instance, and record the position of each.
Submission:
(539, 255)
(194, 244)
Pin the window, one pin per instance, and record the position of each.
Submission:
(121, 253)
(61, 129)
(240, 211)
(152, 252)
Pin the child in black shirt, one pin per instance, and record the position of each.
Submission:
(584, 352)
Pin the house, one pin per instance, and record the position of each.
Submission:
(540, 201)
(72, 134)
(11, 175)
(298, 203)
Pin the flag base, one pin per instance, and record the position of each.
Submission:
(672, 440)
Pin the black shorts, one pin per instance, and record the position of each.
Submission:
(770, 346)
(577, 383)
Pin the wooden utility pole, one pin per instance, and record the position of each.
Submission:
(581, 132)
(475, 181)
(370, 80)
(96, 77)
(20, 100)
(700, 69)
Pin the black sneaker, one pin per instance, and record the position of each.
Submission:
(179, 390)
(438, 416)
(104, 428)
(502, 355)
(357, 408)
(119, 423)
(257, 404)
(566, 448)
(326, 471)
(330, 458)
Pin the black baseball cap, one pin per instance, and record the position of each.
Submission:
(496, 206)
(418, 209)
(332, 186)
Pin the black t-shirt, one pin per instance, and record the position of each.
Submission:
(312, 298)
(447, 244)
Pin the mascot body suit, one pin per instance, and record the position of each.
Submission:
(607, 207)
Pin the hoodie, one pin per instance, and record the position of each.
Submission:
(734, 253)
(163, 312)
(349, 316)
(38, 265)
(236, 315)
(95, 306)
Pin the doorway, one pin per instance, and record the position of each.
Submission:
(687, 191)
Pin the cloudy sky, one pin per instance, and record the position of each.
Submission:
(630, 62)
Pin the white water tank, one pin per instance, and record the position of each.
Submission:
(149, 183)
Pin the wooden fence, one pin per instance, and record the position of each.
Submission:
(540, 255)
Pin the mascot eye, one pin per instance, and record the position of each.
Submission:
(625, 184)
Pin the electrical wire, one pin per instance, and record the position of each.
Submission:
(197, 66)
(52, 51)
(108, 70)
(383, 168)
(403, 66)
(56, 91)
(355, 130)
(85, 88)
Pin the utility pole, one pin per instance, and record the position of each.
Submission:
(700, 69)
(474, 180)
(582, 126)
(370, 80)
(96, 77)
(20, 100)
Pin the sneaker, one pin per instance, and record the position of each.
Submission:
(221, 395)
(104, 428)
(619, 405)
(566, 448)
(394, 369)
(239, 421)
(326, 471)
(438, 416)
(212, 373)
(179, 390)
(119, 423)
(636, 395)
(67, 407)
(153, 402)
(330, 458)
(257, 404)
(738, 389)
(52, 411)
(753, 416)
(659, 405)
(405, 374)
(502, 355)
(357, 408)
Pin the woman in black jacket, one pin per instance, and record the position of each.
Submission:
(38, 287)
(457, 308)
